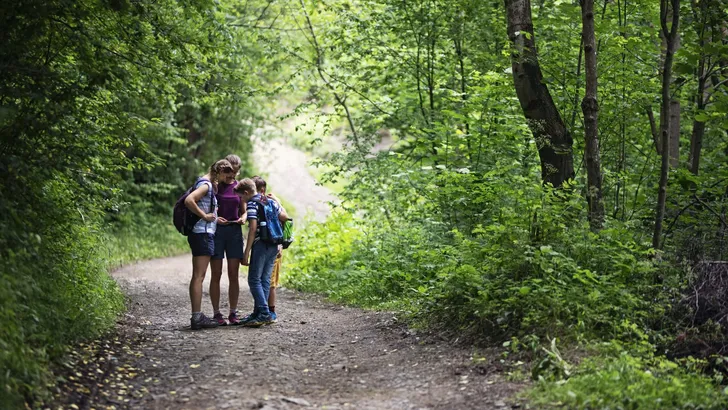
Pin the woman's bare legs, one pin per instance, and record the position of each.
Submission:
(216, 268)
(233, 269)
(199, 268)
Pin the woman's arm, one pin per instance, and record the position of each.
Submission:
(193, 198)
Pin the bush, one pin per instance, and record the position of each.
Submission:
(54, 287)
(505, 262)
(629, 382)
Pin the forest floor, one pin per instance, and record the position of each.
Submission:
(318, 355)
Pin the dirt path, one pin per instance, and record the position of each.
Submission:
(319, 355)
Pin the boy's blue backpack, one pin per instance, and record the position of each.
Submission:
(184, 219)
(269, 226)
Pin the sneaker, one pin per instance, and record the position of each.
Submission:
(248, 318)
(258, 321)
(203, 322)
(273, 317)
(233, 319)
(220, 319)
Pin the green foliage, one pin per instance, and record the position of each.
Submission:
(108, 110)
(53, 283)
(490, 258)
(145, 237)
(630, 382)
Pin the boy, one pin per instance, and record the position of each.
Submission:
(260, 256)
(274, 281)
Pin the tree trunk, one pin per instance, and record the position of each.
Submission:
(696, 144)
(670, 36)
(552, 138)
(674, 133)
(590, 108)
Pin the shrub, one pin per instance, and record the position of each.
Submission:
(504, 260)
(54, 288)
(629, 382)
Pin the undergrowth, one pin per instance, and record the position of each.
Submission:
(503, 260)
(55, 287)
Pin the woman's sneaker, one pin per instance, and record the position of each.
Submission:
(233, 319)
(202, 322)
(220, 319)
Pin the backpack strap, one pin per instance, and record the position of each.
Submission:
(213, 200)
(261, 210)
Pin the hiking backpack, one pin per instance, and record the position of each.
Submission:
(184, 219)
(288, 233)
(269, 226)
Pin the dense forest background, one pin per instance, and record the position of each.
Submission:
(537, 175)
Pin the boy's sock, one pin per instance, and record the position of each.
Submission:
(272, 309)
(196, 315)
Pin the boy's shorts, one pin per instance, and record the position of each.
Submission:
(275, 275)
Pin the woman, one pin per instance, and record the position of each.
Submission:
(231, 216)
(201, 201)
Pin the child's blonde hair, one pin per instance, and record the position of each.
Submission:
(245, 185)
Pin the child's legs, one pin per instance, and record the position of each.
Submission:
(261, 264)
(274, 278)
(267, 273)
(272, 299)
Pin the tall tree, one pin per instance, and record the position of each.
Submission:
(552, 137)
(590, 108)
(708, 19)
(667, 8)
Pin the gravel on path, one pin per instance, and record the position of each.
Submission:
(319, 355)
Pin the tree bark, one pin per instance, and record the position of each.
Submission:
(670, 36)
(552, 137)
(674, 133)
(590, 108)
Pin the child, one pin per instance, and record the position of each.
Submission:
(260, 256)
(274, 281)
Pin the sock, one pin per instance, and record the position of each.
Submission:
(272, 309)
(196, 315)
(233, 311)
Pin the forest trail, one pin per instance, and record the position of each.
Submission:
(319, 355)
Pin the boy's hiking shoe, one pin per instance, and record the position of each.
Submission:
(248, 318)
(258, 321)
(273, 317)
(220, 319)
(234, 320)
(203, 322)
